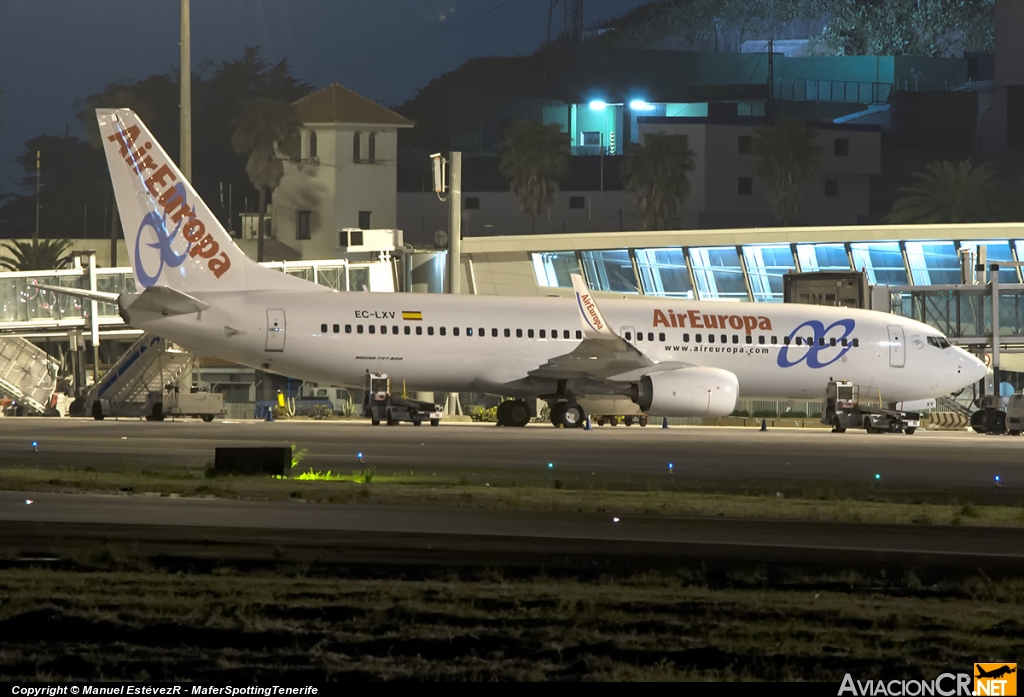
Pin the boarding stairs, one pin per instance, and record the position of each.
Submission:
(28, 374)
(954, 417)
(151, 363)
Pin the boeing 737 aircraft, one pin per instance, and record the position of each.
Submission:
(671, 357)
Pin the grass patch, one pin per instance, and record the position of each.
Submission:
(671, 495)
(292, 624)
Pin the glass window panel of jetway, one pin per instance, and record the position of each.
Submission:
(996, 251)
(933, 262)
(553, 269)
(1011, 313)
(663, 272)
(610, 270)
(110, 283)
(358, 278)
(822, 257)
(883, 262)
(718, 273)
(765, 266)
(332, 277)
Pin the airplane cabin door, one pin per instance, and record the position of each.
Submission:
(275, 330)
(628, 333)
(897, 347)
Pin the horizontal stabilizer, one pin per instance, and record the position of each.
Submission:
(165, 301)
(97, 295)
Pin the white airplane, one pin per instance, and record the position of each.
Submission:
(671, 357)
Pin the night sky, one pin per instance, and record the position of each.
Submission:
(54, 53)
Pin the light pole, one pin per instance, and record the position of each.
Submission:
(185, 81)
(35, 236)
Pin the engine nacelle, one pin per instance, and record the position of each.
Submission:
(693, 391)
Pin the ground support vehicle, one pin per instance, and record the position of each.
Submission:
(161, 404)
(379, 404)
(845, 409)
(999, 415)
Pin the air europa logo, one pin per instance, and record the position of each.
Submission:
(590, 310)
(697, 320)
(816, 345)
(171, 197)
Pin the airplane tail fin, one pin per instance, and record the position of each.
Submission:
(173, 238)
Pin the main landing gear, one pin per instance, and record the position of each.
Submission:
(513, 412)
(568, 415)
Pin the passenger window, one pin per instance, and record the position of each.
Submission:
(821, 341)
(394, 329)
(650, 336)
(735, 338)
(686, 337)
(565, 334)
(494, 332)
(661, 336)
(785, 340)
(419, 331)
(469, 331)
(856, 343)
(579, 333)
(483, 332)
(508, 333)
(430, 331)
(443, 331)
(639, 336)
(542, 333)
(383, 329)
(799, 341)
(529, 333)
(348, 328)
(554, 333)
(711, 338)
(696, 338)
(373, 329)
(408, 330)
(832, 341)
(359, 329)
(337, 329)
(629, 336)
(519, 333)
(323, 328)
(760, 339)
(844, 342)
(455, 331)
(750, 339)
(775, 340)
(725, 339)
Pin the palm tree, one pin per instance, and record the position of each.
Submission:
(788, 159)
(35, 255)
(534, 158)
(263, 124)
(656, 172)
(948, 193)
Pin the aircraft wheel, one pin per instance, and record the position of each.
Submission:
(503, 413)
(569, 415)
(97, 410)
(518, 413)
(978, 421)
(628, 420)
(837, 426)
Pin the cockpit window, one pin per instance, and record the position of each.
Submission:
(939, 342)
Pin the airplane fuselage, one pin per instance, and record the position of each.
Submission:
(489, 344)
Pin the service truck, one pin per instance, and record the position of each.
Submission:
(379, 404)
(844, 408)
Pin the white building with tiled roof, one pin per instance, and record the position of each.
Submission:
(345, 177)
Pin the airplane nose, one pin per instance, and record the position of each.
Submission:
(973, 368)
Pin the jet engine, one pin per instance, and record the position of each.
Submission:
(696, 391)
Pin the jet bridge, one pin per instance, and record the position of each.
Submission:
(28, 374)
(132, 386)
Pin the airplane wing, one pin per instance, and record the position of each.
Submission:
(603, 355)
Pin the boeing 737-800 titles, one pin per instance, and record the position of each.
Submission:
(671, 357)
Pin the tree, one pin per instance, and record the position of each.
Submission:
(263, 124)
(534, 158)
(948, 193)
(35, 255)
(656, 172)
(788, 159)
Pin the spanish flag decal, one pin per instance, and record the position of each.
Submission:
(412, 315)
